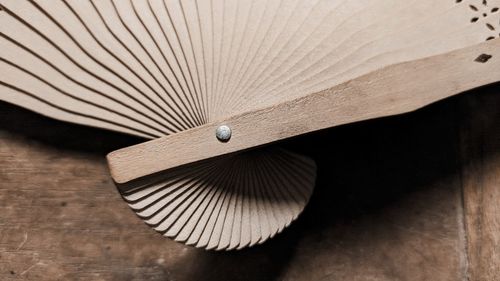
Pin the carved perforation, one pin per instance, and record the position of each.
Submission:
(484, 9)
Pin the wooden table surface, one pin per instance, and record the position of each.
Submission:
(411, 197)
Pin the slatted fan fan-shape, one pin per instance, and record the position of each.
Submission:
(155, 68)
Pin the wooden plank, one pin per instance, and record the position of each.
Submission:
(393, 90)
(386, 207)
(480, 156)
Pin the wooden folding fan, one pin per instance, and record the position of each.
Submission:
(213, 81)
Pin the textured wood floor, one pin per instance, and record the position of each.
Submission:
(412, 197)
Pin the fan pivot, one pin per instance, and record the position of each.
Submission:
(223, 133)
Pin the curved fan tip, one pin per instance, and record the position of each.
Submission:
(228, 203)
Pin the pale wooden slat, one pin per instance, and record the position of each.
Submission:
(392, 90)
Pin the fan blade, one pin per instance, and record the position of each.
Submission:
(226, 203)
(392, 90)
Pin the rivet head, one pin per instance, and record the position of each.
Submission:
(223, 133)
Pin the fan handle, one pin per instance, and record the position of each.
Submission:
(389, 91)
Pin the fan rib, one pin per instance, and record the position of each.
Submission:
(233, 221)
(187, 90)
(70, 111)
(157, 131)
(235, 238)
(193, 230)
(186, 122)
(78, 44)
(185, 107)
(56, 47)
(162, 55)
(245, 232)
(261, 70)
(161, 210)
(153, 195)
(179, 221)
(194, 206)
(200, 97)
(261, 208)
(212, 234)
(374, 61)
(264, 50)
(219, 230)
(19, 46)
(288, 49)
(242, 35)
(196, 94)
(205, 189)
(226, 233)
(298, 192)
(214, 213)
(234, 89)
(148, 54)
(206, 98)
(212, 94)
(144, 189)
(164, 226)
(282, 194)
(217, 55)
(169, 196)
(280, 212)
(272, 224)
(333, 51)
(194, 220)
(228, 26)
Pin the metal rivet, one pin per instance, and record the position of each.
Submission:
(223, 133)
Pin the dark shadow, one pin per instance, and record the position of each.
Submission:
(261, 262)
(373, 159)
(364, 167)
(61, 134)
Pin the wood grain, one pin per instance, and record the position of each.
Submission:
(392, 90)
(480, 140)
